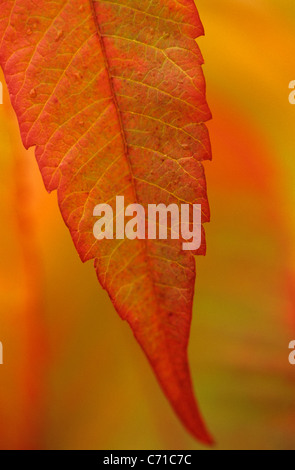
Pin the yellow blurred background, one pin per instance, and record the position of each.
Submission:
(73, 376)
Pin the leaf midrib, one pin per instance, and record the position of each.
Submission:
(161, 325)
(126, 151)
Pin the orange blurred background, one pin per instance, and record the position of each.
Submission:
(73, 376)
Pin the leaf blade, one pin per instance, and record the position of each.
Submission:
(114, 109)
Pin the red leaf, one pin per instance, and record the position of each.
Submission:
(112, 95)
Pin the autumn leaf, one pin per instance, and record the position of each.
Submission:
(112, 96)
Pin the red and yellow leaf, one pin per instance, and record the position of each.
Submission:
(112, 96)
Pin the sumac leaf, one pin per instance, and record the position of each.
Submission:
(112, 96)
